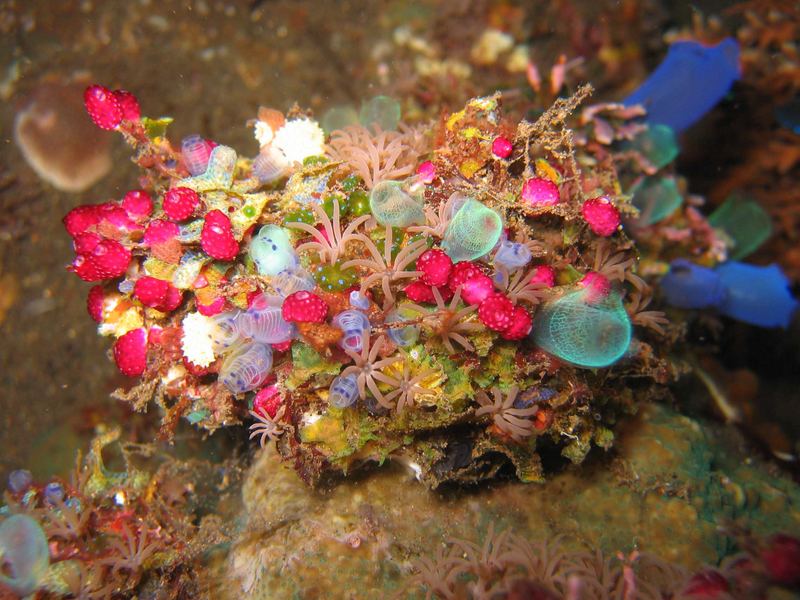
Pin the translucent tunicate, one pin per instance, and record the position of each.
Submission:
(263, 321)
(226, 331)
(339, 117)
(218, 173)
(343, 391)
(512, 255)
(657, 144)
(246, 367)
(656, 198)
(24, 554)
(359, 300)
(270, 165)
(353, 323)
(381, 110)
(196, 152)
(473, 232)
(391, 205)
(583, 331)
(746, 224)
(688, 285)
(272, 251)
(403, 336)
(291, 281)
(756, 295)
(53, 493)
(19, 481)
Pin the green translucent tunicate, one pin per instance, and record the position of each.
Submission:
(383, 110)
(473, 231)
(391, 205)
(657, 144)
(339, 117)
(272, 251)
(24, 554)
(745, 223)
(656, 198)
(585, 332)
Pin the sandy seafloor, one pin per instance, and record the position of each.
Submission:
(210, 64)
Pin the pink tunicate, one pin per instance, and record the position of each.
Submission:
(539, 191)
(196, 151)
(476, 289)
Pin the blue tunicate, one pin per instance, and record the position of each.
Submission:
(53, 493)
(272, 251)
(473, 231)
(656, 198)
(226, 331)
(19, 481)
(343, 391)
(688, 285)
(756, 295)
(288, 282)
(359, 300)
(196, 152)
(381, 110)
(512, 255)
(745, 223)
(584, 331)
(353, 323)
(690, 80)
(246, 367)
(24, 554)
(403, 336)
(263, 321)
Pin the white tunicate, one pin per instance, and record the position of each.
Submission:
(246, 367)
(353, 323)
(272, 251)
(512, 255)
(343, 391)
(288, 282)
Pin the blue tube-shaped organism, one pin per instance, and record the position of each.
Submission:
(756, 295)
(688, 285)
(690, 80)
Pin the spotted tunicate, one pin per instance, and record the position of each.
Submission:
(246, 367)
(512, 255)
(225, 332)
(272, 251)
(353, 323)
(391, 205)
(343, 391)
(291, 281)
(582, 330)
(24, 554)
(474, 230)
(263, 321)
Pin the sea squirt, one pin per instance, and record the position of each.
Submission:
(474, 230)
(246, 367)
(263, 322)
(343, 392)
(353, 323)
(272, 251)
(24, 553)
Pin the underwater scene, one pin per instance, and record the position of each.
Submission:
(427, 299)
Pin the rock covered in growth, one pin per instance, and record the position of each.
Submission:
(352, 336)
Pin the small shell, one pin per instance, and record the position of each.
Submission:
(196, 152)
(353, 323)
(343, 391)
